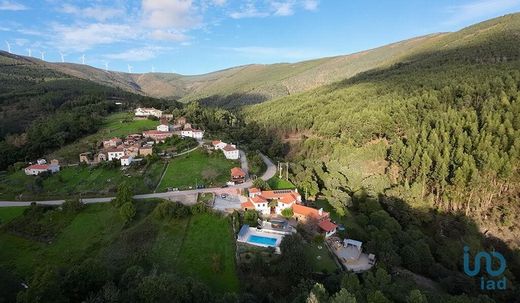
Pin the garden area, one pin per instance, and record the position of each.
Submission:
(196, 168)
(89, 181)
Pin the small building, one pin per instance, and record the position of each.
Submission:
(115, 153)
(217, 144)
(41, 161)
(36, 169)
(238, 176)
(126, 160)
(187, 133)
(327, 227)
(181, 121)
(114, 142)
(164, 126)
(101, 156)
(85, 157)
(231, 152)
(143, 112)
(146, 150)
(197, 134)
(307, 214)
(156, 135)
(168, 117)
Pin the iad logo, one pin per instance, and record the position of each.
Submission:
(489, 284)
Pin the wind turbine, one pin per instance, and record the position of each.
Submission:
(8, 46)
(43, 55)
(62, 57)
(106, 66)
(30, 52)
(83, 59)
(130, 68)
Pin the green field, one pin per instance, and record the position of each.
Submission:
(197, 167)
(8, 213)
(277, 183)
(320, 258)
(200, 246)
(116, 125)
(84, 180)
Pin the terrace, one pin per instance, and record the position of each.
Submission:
(349, 253)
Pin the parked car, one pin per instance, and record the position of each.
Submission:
(224, 196)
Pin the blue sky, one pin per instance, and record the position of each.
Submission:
(199, 36)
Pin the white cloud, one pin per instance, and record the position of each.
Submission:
(100, 13)
(283, 8)
(176, 14)
(310, 5)
(139, 54)
(166, 35)
(12, 6)
(81, 38)
(478, 9)
(248, 11)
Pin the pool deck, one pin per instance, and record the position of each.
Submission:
(246, 232)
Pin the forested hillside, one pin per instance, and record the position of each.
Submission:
(42, 109)
(436, 138)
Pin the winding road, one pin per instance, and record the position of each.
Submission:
(269, 173)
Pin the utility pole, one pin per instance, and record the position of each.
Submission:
(287, 171)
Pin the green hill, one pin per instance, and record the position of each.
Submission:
(440, 129)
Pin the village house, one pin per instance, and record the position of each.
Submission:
(328, 228)
(231, 152)
(217, 144)
(273, 202)
(142, 112)
(85, 157)
(101, 156)
(36, 169)
(114, 142)
(164, 126)
(126, 160)
(156, 135)
(181, 121)
(115, 153)
(238, 176)
(168, 117)
(146, 150)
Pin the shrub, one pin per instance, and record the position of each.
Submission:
(127, 211)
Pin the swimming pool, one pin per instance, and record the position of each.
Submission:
(262, 240)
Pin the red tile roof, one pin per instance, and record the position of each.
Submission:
(308, 211)
(38, 167)
(254, 190)
(215, 142)
(229, 148)
(247, 204)
(327, 226)
(237, 172)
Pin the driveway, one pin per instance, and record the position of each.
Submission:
(229, 203)
(244, 164)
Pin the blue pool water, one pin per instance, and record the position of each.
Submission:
(262, 240)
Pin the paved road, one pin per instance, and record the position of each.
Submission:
(244, 164)
(269, 173)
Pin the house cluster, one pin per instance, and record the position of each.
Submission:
(126, 151)
(42, 166)
(144, 112)
(180, 128)
(273, 202)
(230, 150)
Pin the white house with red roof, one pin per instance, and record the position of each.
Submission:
(328, 228)
(115, 153)
(36, 169)
(273, 202)
(217, 144)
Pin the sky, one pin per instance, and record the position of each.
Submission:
(199, 36)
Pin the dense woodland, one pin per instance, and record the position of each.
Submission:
(435, 139)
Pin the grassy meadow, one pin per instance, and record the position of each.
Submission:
(200, 246)
(75, 180)
(197, 167)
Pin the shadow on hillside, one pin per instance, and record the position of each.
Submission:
(446, 235)
(236, 100)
